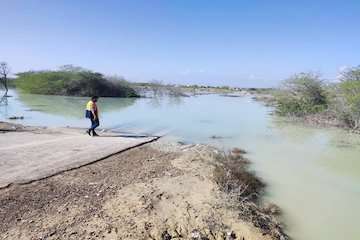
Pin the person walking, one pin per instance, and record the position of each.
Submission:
(92, 113)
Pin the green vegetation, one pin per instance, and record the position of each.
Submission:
(73, 81)
(348, 99)
(302, 94)
(306, 94)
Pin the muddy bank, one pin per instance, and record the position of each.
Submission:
(265, 99)
(156, 191)
(12, 127)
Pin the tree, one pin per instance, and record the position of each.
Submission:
(72, 83)
(302, 94)
(4, 72)
(349, 98)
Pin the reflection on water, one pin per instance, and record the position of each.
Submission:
(70, 106)
(158, 101)
(313, 174)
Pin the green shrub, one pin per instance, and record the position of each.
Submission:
(348, 100)
(72, 82)
(302, 94)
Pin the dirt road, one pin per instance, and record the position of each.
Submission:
(35, 153)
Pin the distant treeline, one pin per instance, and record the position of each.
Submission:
(306, 94)
(73, 81)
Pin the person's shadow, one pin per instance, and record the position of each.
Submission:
(130, 136)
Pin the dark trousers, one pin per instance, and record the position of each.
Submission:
(94, 123)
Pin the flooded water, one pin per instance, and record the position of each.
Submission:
(313, 174)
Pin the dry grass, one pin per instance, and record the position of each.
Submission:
(243, 191)
(234, 177)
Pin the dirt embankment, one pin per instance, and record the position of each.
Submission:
(156, 191)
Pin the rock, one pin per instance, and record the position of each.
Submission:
(195, 234)
(216, 137)
(230, 236)
(16, 117)
(165, 236)
(238, 151)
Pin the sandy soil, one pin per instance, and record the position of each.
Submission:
(156, 191)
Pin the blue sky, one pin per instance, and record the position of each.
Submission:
(237, 43)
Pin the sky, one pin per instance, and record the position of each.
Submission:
(255, 43)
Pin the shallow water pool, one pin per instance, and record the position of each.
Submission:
(313, 174)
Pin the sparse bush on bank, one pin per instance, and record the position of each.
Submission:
(72, 81)
(348, 97)
(302, 94)
(234, 177)
(306, 95)
(243, 191)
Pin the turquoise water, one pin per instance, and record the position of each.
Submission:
(313, 174)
